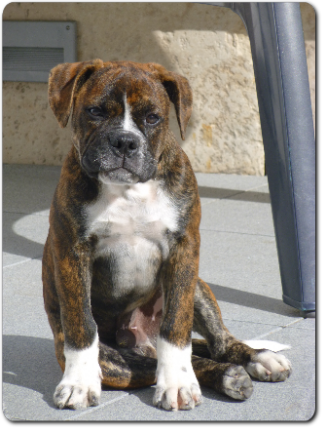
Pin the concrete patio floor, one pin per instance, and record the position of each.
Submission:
(238, 260)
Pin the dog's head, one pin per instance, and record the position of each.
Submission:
(120, 114)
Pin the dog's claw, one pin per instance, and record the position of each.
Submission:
(175, 399)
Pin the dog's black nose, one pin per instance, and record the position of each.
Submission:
(124, 144)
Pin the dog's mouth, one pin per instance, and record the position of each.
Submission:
(118, 175)
(121, 173)
(102, 169)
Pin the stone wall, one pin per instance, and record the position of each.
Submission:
(207, 44)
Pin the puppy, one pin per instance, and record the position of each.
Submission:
(120, 264)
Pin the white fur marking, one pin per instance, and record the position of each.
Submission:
(123, 209)
(175, 375)
(81, 379)
(128, 123)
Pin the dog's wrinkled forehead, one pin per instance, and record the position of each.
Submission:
(120, 86)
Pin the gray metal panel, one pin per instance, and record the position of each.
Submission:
(32, 59)
(42, 38)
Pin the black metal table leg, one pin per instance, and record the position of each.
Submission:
(279, 59)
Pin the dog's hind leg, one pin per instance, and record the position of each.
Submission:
(225, 378)
(262, 364)
(208, 322)
(125, 368)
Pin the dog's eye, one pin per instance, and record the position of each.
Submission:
(152, 119)
(96, 112)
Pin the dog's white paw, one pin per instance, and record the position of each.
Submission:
(177, 397)
(177, 386)
(77, 395)
(80, 386)
(269, 366)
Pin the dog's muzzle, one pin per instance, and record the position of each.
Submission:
(117, 154)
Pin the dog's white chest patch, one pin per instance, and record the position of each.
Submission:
(131, 223)
(142, 209)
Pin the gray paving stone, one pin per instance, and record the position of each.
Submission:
(238, 216)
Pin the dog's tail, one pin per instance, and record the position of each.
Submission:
(266, 344)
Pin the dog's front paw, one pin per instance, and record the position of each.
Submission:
(77, 395)
(177, 386)
(177, 397)
(80, 386)
(269, 366)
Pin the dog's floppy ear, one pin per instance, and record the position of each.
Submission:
(64, 82)
(180, 94)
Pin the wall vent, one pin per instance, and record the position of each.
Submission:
(32, 48)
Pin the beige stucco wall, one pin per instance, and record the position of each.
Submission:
(207, 44)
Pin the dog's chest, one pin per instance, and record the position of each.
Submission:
(131, 224)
